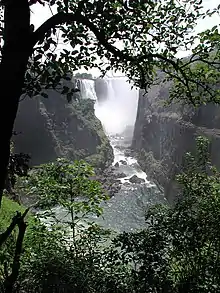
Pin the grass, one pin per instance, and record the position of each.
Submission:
(8, 211)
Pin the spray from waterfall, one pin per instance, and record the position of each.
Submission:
(118, 109)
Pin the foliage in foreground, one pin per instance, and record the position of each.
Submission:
(177, 252)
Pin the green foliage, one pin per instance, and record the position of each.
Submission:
(179, 249)
(69, 186)
(18, 166)
(83, 75)
(177, 252)
(149, 34)
(8, 210)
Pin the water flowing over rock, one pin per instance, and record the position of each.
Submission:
(163, 134)
(118, 111)
(136, 179)
(125, 211)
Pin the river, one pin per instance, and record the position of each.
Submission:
(125, 211)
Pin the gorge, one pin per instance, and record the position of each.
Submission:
(73, 131)
(129, 137)
(164, 133)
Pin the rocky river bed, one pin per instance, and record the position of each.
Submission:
(125, 210)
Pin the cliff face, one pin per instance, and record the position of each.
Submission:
(163, 134)
(52, 128)
(101, 89)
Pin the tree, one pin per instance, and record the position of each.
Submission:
(149, 34)
(69, 186)
(84, 75)
(178, 251)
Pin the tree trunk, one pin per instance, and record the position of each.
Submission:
(12, 278)
(15, 53)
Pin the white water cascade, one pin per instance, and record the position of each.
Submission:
(87, 89)
(120, 107)
(126, 210)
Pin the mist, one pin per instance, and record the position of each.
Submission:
(120, 108)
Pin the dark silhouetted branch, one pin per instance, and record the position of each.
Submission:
(15, 221)
(12, 278)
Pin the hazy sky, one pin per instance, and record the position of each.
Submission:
(41, 13)
(209, 22)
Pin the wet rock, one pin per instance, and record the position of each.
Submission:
(121, 175)
(120, 147)
(123, 162)
(136, 179)
(127, 184)
(136, 166)
(61, 131)
(116, 165)
(109, 180)
(128, 153)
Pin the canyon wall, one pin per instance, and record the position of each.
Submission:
(163, 134)
(51, 127)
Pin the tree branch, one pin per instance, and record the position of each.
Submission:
(12, 278)
(15, 221)
(61, 18)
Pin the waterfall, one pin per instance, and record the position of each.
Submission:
(120, 108)
(117, 113)
(87, 89)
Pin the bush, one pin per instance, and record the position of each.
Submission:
(177, 252)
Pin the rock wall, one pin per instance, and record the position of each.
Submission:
(163, 134)
(51, 128)
(101, 88)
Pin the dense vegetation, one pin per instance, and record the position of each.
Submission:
(134, 37)
(178, 251)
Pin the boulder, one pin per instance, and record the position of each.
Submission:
(135, 179)
(128, 152)
(109, 180)
(121, 175)
(127, 184)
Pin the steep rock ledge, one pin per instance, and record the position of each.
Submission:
(52, 128)
(163, 134)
